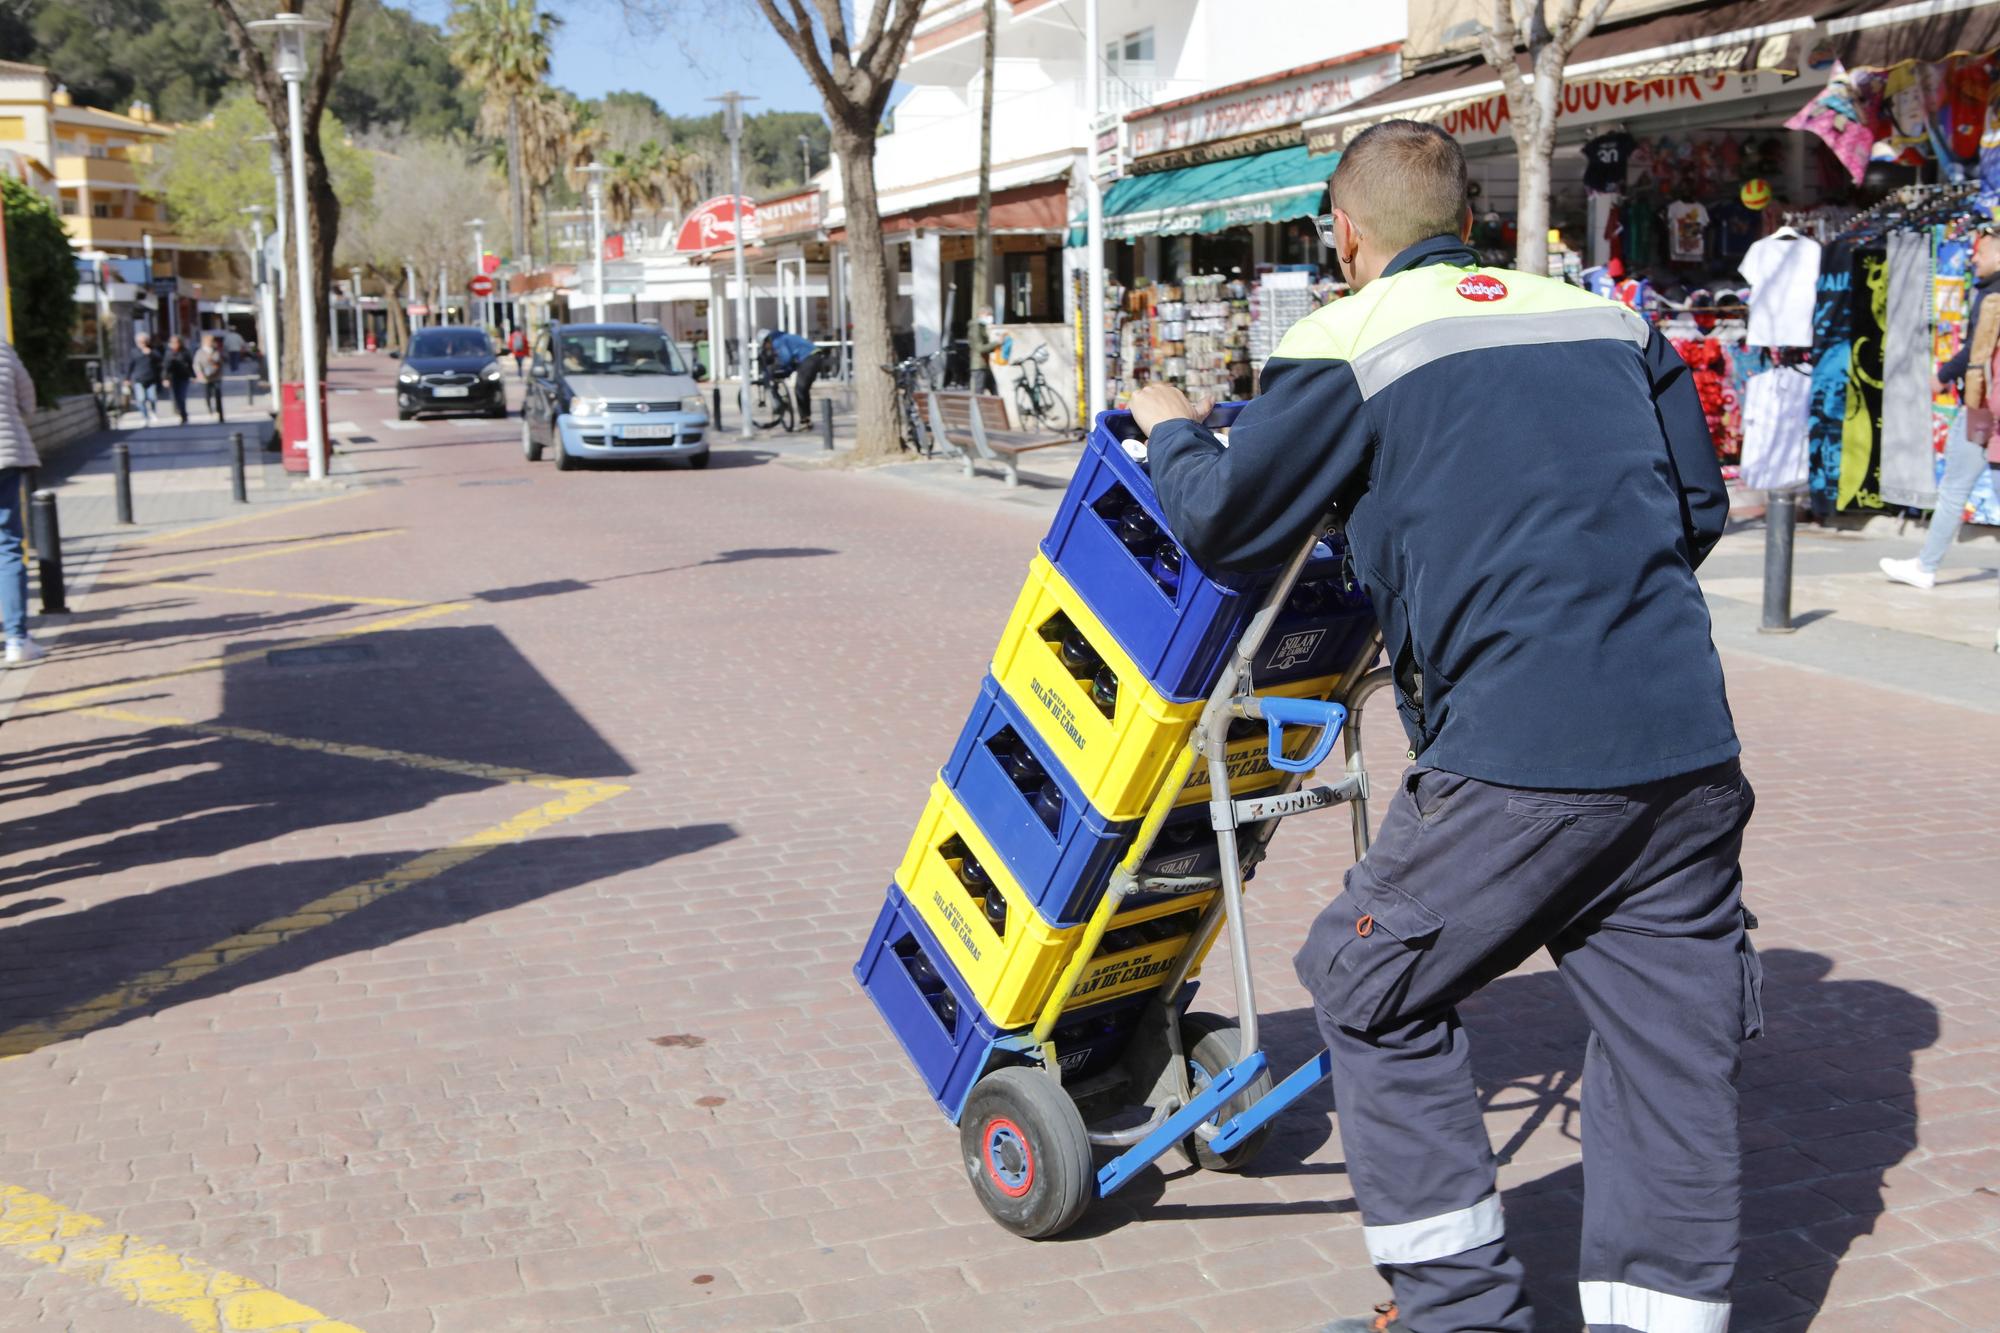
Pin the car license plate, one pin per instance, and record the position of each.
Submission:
(647, 432)
(450, 391)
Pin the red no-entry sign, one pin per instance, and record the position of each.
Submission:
(480, 285)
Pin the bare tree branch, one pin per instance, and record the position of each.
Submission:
(799, 39)
(1574, 30)
(263, 80)
(837, 45)
(329, 65)
(1497, 43)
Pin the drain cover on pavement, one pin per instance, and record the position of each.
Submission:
(325, 654)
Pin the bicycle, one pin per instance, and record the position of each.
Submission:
(912, 375)
(1035, 398)
(779, 392)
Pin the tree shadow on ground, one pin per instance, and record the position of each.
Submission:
(1829, 1105)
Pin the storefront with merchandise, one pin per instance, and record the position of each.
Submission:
(1210, 248)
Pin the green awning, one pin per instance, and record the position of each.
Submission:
(1237, 192)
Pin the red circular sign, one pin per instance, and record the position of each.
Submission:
(480, 285)
(1479, 287)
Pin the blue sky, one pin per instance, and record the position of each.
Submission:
(720, 45)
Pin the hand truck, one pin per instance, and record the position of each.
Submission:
(1191, 1080)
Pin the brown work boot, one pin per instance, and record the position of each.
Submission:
(1384, 1320)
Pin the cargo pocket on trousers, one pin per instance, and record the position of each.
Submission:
(1361, 952)
(1753, 989)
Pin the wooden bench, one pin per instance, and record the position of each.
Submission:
(975, 424)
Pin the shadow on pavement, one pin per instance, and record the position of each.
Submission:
(556, 587)
(1829, 1105)
(158, 809)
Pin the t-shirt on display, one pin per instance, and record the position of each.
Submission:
(1783, 269)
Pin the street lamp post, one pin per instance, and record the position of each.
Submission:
(479, 303)
(146, 244)
(732, 126)
(1093, 200)
(267, 306)
(280, 283)
(594, 173)
(354, 273)
(291, 30)
(806, 157)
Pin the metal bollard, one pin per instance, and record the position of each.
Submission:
(716, 415)
(237, 490)
(1781, 512)
(121, 457)
(826, 428)
(47, 533)
(250, 389)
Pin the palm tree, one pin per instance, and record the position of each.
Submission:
(503, 47)
(548, 123)
(680, 178)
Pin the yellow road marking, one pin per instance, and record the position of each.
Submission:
(150, 1276)
(269, 512)
(577, 795)
(78, 698)
(195, 566)
(376, 753)
(338, 597)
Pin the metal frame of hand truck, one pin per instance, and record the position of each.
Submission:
(1154, 1062)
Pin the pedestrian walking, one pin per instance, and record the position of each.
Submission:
(517, 346)
(1531, 555)
(142, 376)
(18, 460)
(179, 369)
(795, 356)
(1970, 450)
(208, 364)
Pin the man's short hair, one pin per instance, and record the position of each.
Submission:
(1401, 181)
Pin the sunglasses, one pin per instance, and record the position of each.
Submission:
(1327, 235)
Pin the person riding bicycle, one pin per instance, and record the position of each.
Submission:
(795, 356)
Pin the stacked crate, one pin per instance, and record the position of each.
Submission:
(1101, 674)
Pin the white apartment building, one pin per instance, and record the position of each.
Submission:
(1185, 84)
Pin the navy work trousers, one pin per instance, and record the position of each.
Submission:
(1637, 894)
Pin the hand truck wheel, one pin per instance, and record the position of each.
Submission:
(1027, 1152)
(1210, 1042)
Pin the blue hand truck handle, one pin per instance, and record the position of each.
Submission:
(1281, 713)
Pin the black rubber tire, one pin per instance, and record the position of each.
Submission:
(1041, 1137)
(1055, 413)
(1210, 1041)
(564, 463)
(498, 412)
(404, 414)
(698, 461)
(530, 446)
(787, 415)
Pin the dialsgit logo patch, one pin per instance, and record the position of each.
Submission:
(1296, 648)
(1479, 287)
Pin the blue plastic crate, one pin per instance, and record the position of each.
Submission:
(1059, 849)
(1175, 619)
(949, 1041)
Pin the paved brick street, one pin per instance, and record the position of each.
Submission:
(427, 903)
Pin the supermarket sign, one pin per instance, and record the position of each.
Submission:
(1266, 107)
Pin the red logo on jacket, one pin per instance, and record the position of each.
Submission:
(1479, 287)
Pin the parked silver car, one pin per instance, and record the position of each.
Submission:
(611, 391)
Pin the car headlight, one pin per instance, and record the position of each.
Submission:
(586, 407)
(695, 403)
(406, 376)
(492, 371)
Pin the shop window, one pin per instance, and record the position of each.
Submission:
(1131, 54)
(100, 210)
(69, 209)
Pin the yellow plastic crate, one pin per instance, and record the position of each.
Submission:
(1117, 761)
(1012, 970)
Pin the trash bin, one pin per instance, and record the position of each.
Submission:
(292, 423)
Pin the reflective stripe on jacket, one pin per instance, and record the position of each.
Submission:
(1527, 484)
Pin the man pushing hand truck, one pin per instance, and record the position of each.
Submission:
(1527, 486)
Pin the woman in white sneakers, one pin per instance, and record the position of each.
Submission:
(17, 459)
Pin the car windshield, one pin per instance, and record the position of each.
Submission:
(619, 352)
(450, 342)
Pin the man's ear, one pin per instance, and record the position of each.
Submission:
(1465, 224)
